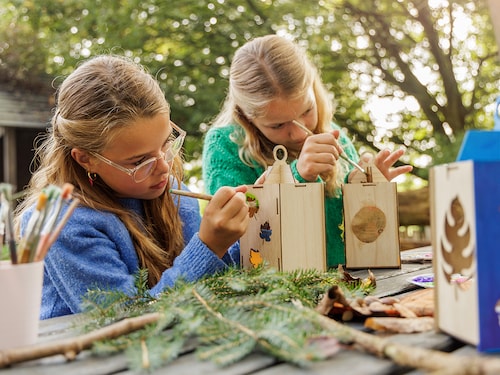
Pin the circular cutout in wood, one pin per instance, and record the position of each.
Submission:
(368, 223)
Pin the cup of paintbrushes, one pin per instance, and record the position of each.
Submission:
(21, 296)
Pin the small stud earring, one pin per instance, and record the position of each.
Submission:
(92, 177)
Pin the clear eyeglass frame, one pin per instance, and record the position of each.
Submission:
(144, 170)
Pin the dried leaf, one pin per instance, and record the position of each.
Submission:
(333, 296)
(357, 281)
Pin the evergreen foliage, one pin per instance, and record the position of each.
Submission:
(226, 316)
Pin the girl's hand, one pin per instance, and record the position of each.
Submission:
(319, 155)
(225, 219)
(384, 161)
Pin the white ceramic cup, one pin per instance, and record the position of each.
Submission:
(20, 300)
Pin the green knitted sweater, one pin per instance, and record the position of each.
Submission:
(222, 166)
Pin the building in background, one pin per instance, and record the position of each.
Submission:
(24, 113)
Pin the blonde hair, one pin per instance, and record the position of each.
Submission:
(262, 70)
(102, 96)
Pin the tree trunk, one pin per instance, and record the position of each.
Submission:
(414, 207)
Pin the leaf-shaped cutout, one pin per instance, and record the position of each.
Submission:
(368, 223)
(454, 257)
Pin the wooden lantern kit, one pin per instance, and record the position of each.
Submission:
(465, 223)
(371, 222)
(287, 228)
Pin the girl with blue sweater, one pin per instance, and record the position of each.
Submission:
(112, 138)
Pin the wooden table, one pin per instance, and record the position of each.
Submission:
(390, 282)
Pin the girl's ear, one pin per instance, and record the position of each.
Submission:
(82, 158)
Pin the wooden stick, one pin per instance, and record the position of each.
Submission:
(71, 347)
(303, 127)
(191, 194)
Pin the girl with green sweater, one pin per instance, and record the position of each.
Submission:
(276, 96)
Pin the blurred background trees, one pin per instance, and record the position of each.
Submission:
(412, 73)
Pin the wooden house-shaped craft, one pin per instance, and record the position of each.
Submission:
(371, 225)
(287, 224)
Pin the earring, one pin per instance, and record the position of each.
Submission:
(92, 177)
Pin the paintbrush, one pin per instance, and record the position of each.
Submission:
(32, 235)
(60, 225)
(191, 194)
(342, 155)
(57, 197)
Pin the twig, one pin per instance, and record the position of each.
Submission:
(71, 347)
(411, 356)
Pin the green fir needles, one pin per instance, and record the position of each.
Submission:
(229, 315)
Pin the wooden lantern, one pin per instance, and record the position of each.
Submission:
(371, 223)
(465, 217)
(287, 225)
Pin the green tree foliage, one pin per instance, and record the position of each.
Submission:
(440, 55)
(433, 64)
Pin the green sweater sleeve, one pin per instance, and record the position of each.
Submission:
(221, 164)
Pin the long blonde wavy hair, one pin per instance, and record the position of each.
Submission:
(102, 96)
(262, 70)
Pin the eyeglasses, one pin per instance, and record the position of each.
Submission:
(144, 170)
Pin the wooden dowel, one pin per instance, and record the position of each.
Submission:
(303, 127)
(191, 194)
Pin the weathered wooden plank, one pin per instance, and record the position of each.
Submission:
(189, 365)
(85, 364)
(395, 281)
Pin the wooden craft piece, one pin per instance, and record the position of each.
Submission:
(371, 221)
(288, 229)
(279, 172)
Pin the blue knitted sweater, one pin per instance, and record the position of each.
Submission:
(95, 250)
(222, 166)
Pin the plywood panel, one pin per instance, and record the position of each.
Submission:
(371, 225)
(303, 226)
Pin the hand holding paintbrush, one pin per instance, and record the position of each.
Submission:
(384, 160)
(342, 154)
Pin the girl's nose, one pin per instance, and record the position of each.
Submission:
(162, 165)
(295, 133)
